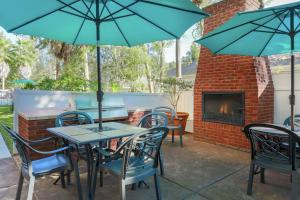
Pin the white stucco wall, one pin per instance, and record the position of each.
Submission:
(282, 88)
(30, 100)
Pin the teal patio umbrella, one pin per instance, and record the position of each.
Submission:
(23, 81)
(100, 22)
(263, 32)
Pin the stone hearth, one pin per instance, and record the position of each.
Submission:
(227, 73)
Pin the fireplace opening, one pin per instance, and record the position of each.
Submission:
(224, 107)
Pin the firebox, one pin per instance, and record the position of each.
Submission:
(224, 107)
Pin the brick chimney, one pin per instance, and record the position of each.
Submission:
(226, 73)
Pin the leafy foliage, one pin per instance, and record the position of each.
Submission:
(174, 87)
(6, 117)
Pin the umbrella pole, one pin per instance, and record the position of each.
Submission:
(292, 96)
(99, 92)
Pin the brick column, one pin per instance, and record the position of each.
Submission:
(229, 73)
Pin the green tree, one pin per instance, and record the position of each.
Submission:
(22, 52)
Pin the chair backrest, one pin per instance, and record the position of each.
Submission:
(287, 121)
(153, 120)
(166, 109)
(20, 144)
(267, 143)
(73, 118)
(140, 152)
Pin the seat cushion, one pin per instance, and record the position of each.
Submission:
(55, 163)
(115, 167)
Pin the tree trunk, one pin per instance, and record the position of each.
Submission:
(148, 75)
(57, 69)
(178, 60)
(86, 66)
(3, 83)
(162, 60)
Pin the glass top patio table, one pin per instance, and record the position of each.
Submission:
(275, 131)
(87, 134)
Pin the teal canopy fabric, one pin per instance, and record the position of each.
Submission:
(122, 22)
(96, 22)
(24, 81)
(257, 33)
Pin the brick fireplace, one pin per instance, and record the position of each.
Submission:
(244, 83)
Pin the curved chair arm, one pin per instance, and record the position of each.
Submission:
(37, 142)
(49, 152)
(113, 154)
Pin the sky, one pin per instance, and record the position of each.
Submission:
(188, 39)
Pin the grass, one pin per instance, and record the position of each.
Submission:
(6, 117)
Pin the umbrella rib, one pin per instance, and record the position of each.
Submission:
(39, 17)
(161, 28)
(82, 23)
(277, 32)
(282, 21)
(299, 19)
(273, 29)
(88, 8)
(76, 15)
(116, 23)
(176, 8)
(263, 49)
(123, 8)
(239, 25)
(102, 9)
(110, 19)
(244, 35)
(75, 9)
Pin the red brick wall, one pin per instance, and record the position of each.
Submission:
(34, 130)
(232, 73)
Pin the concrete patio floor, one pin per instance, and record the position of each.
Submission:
(199, 171)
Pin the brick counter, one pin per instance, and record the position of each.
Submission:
(35, 129)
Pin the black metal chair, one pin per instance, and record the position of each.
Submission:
(72, 118)
(154, 120)
(171, 125)
(267, 153)
(139, 159)
(57, 162)
(287, 121)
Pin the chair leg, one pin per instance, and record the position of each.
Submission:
(101, 178)
(20, 186)
(123, 190)
(157, 187)
(31, 188)
(69, 177)
(133, 186)
(294, 185)
(94, 176)
(161, 164)
(62, 179)
(181, 135)
(172, 136)
(250, 180)
(78, 182)
(262, 175)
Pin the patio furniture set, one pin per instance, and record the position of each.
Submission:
(137, 150)
(133, 153)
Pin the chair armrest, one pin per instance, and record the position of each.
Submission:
(36, 142)
(49, 152)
